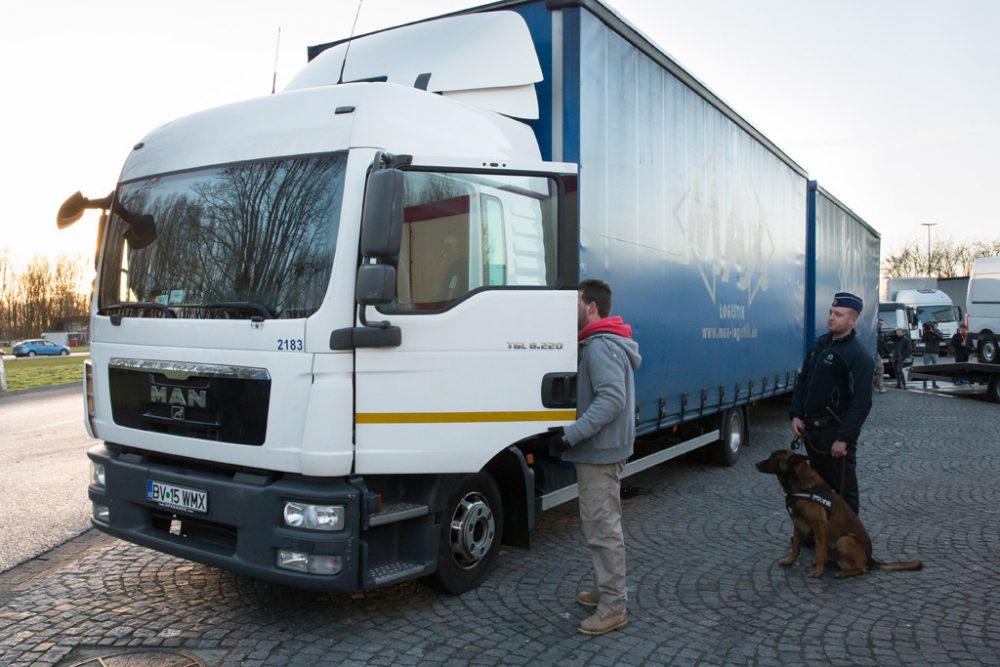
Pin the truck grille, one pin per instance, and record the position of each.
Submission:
(205, 401)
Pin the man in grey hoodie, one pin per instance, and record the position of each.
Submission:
(598, 443)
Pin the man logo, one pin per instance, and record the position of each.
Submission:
(192, 398)
(177, 412)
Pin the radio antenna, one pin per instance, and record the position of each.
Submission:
(274, 75)
(348, 50)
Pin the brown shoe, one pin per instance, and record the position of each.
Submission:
(601, 624)
(588, 598)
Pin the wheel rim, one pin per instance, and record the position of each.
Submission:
(31, 353)
(990, 351)
(734, 437)
(472, 530)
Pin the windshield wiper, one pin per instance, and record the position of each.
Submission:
(138, 305)
(240, 306)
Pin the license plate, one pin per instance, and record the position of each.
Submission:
(176, 497)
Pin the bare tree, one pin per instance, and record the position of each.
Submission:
(948, 259)
(30, 300)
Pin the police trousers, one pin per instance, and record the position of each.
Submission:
(840, 472)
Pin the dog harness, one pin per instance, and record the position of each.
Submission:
(822, 494)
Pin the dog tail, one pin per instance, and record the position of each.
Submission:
(895, 567)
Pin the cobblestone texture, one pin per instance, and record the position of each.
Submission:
(704, 582)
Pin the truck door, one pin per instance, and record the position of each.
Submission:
(485, 304)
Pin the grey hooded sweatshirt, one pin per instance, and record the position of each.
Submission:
(604, 430)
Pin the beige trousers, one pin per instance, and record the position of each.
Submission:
(601, 517)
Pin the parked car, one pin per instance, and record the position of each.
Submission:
(38, 347)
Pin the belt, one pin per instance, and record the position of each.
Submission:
(819, 422)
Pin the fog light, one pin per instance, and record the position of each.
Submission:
(97, 474)
(101, 512)
(314, 517)
(293, 560)
(323, 564)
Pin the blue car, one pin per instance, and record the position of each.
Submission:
(38, 347)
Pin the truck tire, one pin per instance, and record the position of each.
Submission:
(732, 437)
(994, 389)
(471, 533)
(988, 349)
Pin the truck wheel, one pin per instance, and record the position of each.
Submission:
(994, 389)
(471, 533)
(732, 437)
(988, 350)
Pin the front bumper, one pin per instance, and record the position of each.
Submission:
(243, 528)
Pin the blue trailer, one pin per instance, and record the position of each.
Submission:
(330, 324)
(691, 214)
(843, 256)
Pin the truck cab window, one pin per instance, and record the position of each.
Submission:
(467, 232)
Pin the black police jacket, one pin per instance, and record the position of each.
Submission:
(836, 374)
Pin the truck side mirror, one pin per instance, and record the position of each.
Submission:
(382, 219)
(70, 211)
(376, 283)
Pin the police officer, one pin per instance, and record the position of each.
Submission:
(833, 397)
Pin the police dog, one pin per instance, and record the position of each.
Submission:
(815, 509)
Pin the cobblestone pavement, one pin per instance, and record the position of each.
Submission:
(704, 583)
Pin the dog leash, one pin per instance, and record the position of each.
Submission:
(800, 440)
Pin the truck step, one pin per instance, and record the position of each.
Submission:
(390, 573)
(394, 512)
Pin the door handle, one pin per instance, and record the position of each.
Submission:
(559, 390)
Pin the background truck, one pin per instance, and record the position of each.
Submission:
(928, 304)
(895, 315)
(983, 307)
(330, 323)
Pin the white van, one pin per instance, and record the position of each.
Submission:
(930, 305)
(983, 306)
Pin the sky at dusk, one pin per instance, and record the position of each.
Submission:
(893, 106)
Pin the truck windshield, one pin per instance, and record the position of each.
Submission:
(245, 240)
(939, 313)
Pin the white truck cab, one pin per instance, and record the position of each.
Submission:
(930, 305)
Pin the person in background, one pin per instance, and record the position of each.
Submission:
(932, 346)
(881, 351)
(962, 344)
(900, 354)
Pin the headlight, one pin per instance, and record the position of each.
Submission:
(314, 517)
(309, 563)
(97, 474)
